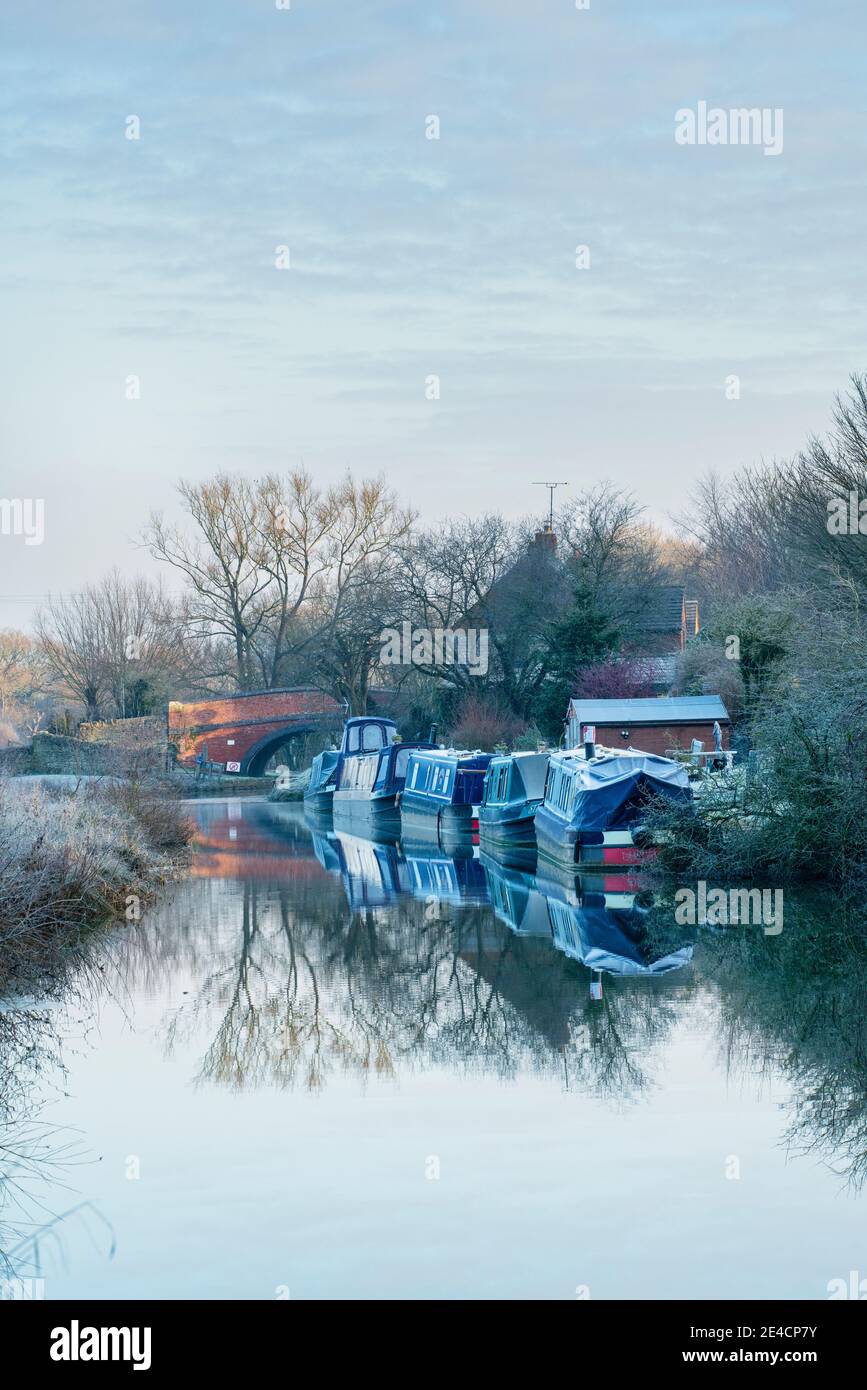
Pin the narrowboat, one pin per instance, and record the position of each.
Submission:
(443, 791)
(363, 734)
(513, 792)
(369, 786)
(319, 792)
(592, 815)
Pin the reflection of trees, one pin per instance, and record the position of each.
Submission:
(292, 985)
(36, 1157)
(794, 1004)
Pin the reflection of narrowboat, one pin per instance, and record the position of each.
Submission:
(514, 790)
(370, 870)
(443, 789)
(516, 899)
(610, 931)
(430, 873)
(325, 849)
(594, 808)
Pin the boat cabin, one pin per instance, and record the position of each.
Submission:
(444, 782)
(514, 789)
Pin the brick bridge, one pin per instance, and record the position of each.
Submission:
(242, 732)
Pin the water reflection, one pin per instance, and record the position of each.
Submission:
(315, 950)
(294, 954)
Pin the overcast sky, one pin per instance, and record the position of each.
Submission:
(413, 257)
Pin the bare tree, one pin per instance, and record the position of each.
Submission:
(109, 639)
(272, 565)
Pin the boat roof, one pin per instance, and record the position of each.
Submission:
(451, 752)
(676, 709)
(533, 768)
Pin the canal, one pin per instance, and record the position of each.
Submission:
(324, 1068)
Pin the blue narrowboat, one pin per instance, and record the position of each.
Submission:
(514, 790)
(319, 792)
(371, 780)
(594, 807)
(363, 734)
(443, 791)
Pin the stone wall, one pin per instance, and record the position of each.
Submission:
(145, 732)
(55, 753)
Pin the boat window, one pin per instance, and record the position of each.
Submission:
(352, 744)
(447, 774)
(400, 762)
(371, 737)
(415, 768)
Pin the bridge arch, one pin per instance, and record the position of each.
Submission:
(259, 755)
(241, 732)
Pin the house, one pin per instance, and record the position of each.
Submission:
(653, 725)
(661, 632)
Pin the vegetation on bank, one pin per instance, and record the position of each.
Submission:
(786, 638)
(76, 859)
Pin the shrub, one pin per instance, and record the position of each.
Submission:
(69, 860)
(485, 724)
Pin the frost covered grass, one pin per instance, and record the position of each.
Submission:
(71, 859)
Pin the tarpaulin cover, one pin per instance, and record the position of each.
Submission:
(612, 790)
(323, 766)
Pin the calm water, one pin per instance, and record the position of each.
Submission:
(334, 1069)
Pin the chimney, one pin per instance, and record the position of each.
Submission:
(545, 538)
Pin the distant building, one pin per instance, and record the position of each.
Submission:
(661, 633)
(653, 725)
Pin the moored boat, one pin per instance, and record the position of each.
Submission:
(513, 792)
(370, 785)
(319, 792)
(594, 807)
(362, 734)
(443, 791)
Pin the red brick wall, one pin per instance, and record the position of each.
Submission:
(659, 738)
(229, 726)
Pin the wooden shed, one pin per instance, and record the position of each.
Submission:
(653, 725)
